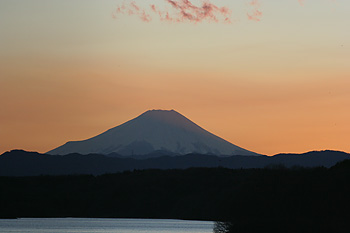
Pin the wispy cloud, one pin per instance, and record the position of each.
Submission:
(181, 11)
(187, 11)
(132, 8)
(255, 14)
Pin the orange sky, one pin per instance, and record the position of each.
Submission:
(69, 71)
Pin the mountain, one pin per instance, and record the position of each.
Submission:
(23, 163)
(154, 130)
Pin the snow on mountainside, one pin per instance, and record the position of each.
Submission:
(151, 131)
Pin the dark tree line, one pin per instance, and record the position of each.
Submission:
(274, 199)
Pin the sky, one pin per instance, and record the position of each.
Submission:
(269, 76)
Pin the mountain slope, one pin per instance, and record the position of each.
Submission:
(151, 131)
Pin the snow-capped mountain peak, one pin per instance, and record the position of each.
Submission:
(154, 130)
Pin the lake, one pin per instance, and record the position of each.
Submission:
(103, 225)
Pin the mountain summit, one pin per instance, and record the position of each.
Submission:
(154, 130)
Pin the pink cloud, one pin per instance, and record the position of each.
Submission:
(181, 11)
(186, 11)
(255, 14)
(254, 3)
(132, 8)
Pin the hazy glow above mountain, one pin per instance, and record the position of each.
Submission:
(68, 70)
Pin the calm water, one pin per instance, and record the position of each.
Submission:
(103, 225)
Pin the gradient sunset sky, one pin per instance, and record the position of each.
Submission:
(269, 76)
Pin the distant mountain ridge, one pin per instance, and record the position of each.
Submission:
(23, 163)
(154, 130)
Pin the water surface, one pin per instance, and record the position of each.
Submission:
(103, 225)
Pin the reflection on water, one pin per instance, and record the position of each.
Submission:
(103, 225)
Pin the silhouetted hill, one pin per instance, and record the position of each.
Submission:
(326, 158)
(22, 163)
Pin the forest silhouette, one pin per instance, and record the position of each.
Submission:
(274, 199)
